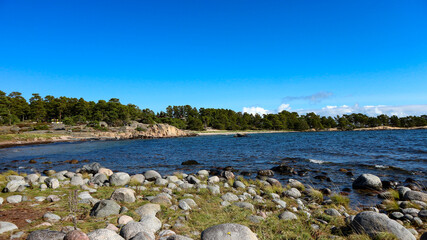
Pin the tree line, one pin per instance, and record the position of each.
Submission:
(15, 109)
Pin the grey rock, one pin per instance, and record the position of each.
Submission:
(15, 178)
(18, 235)
(53, 198)
(12, 186)
(123, 195)
(230, 231)
(214, 189)
(52, 183)
(423, 214)
(100, 179)
(332, 212)
(7, 226)
(31, 178)
(143, 236)
(184, 205)
(161, 182)
(84, 195)
(148, 209)
(193, 180)
(402, 190)
(152, 175)
(190, 202)
(288, 216)
(239, 184)
(91, 168)
(230, 197)
(411, 211)
(279, 202)
(255, 218)
(396, 215)
(151, 223)
(368, 181)
(119, 179)
(105, 208)
(131, 229)
(415, 195)
(213, 179)
(77, 181)
(424, 236)
(46, 235)
(69, 175)
(104, 234)
(172, 179)
(244, 205)
(371, 223)
(203, 173)
(14, 199)
(293, 192)
(137, 178)
(50, 217)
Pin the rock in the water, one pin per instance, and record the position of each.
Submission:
(267, 173)
(148, 209)
(123, 195)
(230, 197)
(76, 235)
(228, 231)
(288, 216)
(105, 208)
(283, 169)
(152, 175)
(104, 234)
(91, 168)
(372, 223)
(119, 179)
(190, 162)
(367, 181)
(46, 235)
(6, 227)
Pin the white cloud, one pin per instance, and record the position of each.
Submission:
(284, 106)
(254, 110)
(400, 111)
(313, 98)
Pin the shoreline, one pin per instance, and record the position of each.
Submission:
(98, 136)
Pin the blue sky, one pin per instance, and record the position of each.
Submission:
(252, 55)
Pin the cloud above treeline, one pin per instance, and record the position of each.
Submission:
(400, 111)
(313, 98)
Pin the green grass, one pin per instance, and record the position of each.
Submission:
(339, 199)
(26, 136)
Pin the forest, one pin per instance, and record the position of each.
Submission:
(14, 108)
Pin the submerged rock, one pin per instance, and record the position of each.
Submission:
(368, 182)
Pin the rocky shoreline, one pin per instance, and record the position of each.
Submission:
(95, 203)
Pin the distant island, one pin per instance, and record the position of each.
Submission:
(39, 112)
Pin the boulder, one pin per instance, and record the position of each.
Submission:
(372, 223)
(148, 209)
(104, 234)
(14, 199)
(119, 179)
(52, 183)
(123, 195)
(415, 195)
(31, 178)
(239, 184)
(107, 172)
(7, 226)
(50, 217)
(123, 220)
(288, 216)
(190, 162)
(46, 235)
(368, 182)
(105, 208)
(145, 236)
(283, 169)
(12, 186)
(77, 181)
(131, 229)
(152, 175)
(214, 189)
(76, 235)
(293, 192)
(227, 175)
(99, 179)
(137, 179)
(230, 197)
(228, 231)
(265, 173)
(91, 168)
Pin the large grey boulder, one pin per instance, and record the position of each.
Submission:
(99, 179)
(137, 178)
(52, 183)
(148, 209)
(368, 181)
(415, 195)
(104, 234)
(293, 192)
(77, 181)
(7, 226)
(151, 223)
(123, 195)
(214, 189)
(230, 231)
(288, 216)
(373, 223)
(12, 186)
(230, 197)
(46, 235)
(152, 175)
(131, 229)
(31, 178)
(14, 199)
(105, 208)
(119, 179)
(91, 168)
(144, 236)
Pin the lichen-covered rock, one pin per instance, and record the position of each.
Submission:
(230, 231)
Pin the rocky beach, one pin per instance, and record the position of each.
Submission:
(94, 203)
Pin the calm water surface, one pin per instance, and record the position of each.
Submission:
(392, 155)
